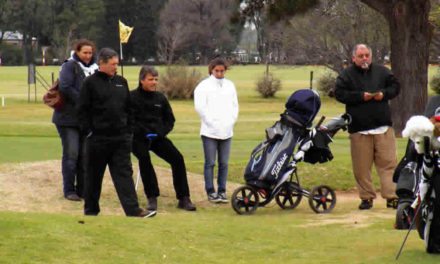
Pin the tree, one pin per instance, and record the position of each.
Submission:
(326, 34)
(410, 37)
(199, 27)
(260, 12)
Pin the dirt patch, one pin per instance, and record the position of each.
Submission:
(37, 187)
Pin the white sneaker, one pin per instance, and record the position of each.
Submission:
(222, 197)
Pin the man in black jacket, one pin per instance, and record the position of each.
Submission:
(366, 88)
(153, 120)
(104, 116)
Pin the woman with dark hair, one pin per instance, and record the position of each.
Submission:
(73, 71)
(215, 100)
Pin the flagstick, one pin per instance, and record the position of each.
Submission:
(122, 59)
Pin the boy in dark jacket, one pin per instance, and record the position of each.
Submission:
(153, 120)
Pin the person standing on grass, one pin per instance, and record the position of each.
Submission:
(73, 71)
(105, 117)
(215, 100)
(153, 120)
(366, 89)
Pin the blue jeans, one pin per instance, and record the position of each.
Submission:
(72, 165)
(211, 147)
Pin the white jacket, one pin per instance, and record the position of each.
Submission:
(216, 103)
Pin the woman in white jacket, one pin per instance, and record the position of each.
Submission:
(215, 100)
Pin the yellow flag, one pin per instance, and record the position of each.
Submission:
(124, 32)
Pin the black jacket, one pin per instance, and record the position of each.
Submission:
(104, 105)
(152, 113)
(350, 87)
(71, 78)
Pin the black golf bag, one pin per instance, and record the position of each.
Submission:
(271, 157)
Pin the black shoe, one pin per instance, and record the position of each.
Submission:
(366, 204)
(392, 203)
(147, 213)
(73, 197)
(152, 204)
(186, 204)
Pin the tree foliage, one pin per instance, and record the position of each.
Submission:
(198, 27)
(327, 34)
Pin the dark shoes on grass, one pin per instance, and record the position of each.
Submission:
(186, 204)
(73, 197)
(392, 203)
(152, 204)
(366, 204)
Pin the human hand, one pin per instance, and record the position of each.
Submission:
(378, 96)
(368, 96)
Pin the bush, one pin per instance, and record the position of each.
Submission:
(268, 85)
(326, 84)
(179, 81)
(11, 55)
(435, 83)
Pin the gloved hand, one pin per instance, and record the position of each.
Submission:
(151, 136)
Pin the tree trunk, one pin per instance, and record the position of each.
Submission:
(410, 33)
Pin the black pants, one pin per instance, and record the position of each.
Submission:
(114, 152)
(164, 148)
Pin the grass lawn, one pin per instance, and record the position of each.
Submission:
(214, 234)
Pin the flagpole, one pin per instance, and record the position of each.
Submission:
(120, 49)
(122, 59)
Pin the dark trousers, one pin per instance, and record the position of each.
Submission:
(164, 148)
(114, 152)
(72, 164)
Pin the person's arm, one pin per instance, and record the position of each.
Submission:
(392, 87)
(234, 104)
(346, 95)
(128, 108)
(168, 118)
(67, 82)
(84, 106)
(201, 102)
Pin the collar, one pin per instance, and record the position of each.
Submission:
(104, 75)
(359, 69)
(92, 61)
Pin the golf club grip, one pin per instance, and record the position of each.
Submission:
(320, 122)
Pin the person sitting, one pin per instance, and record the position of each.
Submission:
(153, 120)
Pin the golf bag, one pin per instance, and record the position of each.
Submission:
(271, 157)
(428, 220)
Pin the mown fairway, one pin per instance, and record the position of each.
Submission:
(214, 234)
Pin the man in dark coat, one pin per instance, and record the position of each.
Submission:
(366, 88)
(105, 117)
(153, 120)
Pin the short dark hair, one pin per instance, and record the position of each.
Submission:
(83, 42)
(105, 54)
(217, 62)
(145, 70)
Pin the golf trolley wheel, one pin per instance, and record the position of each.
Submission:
(244, 200)
(404, 215)
(322, 199)
(288, 197)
